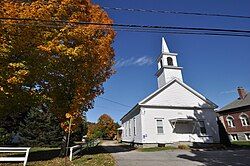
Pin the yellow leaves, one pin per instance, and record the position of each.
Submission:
(22, 72)
(74, 118)
(68, 115)
(44, 48)
(19, 72)
(16, 65)
(19, 77)
(14, 80)
(71, 52)
(61, 48)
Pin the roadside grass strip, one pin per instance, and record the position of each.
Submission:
(154, 149)
(39, 156)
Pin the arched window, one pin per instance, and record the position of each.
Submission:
(244, 120)
(170, 61)
(230, 121)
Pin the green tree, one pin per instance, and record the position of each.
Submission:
(40, 128)
(93, 131)
(5, 137)
(80, 131)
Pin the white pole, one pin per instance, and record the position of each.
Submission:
(70, 121)
(71, 154)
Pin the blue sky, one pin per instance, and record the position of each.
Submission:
(213, 65)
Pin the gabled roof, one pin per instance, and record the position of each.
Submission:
(213, 105)
(143, 102)
(237, 103)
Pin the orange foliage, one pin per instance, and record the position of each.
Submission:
(93, 132)
(107, 126)
(68, 62)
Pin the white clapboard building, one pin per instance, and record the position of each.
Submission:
(174, 113)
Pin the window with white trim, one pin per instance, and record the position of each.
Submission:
(159, 124)
(202, 127)
(247, 135)
(126, 128)
(134, 126)
(244, 120)
(129, 128)
(234, 137)
(230, 121)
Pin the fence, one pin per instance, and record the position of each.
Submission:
(74, 150)
(15, 150)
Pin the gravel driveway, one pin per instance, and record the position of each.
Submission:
(126, 157)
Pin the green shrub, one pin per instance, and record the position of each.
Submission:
(5, 137)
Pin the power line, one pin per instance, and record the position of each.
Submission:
(128, 25)
(134, 27)
(109, 109)
(112, 101)
(182, 32)
(175, 12)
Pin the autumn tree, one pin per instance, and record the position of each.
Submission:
(93, 131)
(49, 53)
(106, 126)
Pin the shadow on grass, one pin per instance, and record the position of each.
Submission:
(50, 154)
(39, 155)
(44, 155)
(108, 149)
(97, 150)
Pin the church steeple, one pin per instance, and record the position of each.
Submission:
(167, 66)
(164, 46)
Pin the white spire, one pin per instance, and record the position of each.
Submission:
(164, 47)
(168, 68)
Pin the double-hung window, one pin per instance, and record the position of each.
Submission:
(234, 137)
(126, 129)
(134, 122)
(230, 122)
(202, 127)
(244, 120)
(247, 135)
(129, 128)
(159, 123)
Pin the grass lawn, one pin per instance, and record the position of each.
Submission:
(241, 144)
(95, 156)
(154, 149)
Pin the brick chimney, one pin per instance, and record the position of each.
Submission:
(242, 92)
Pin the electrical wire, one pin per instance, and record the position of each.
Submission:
(128, 25)
(112, 101)
(176, 12)
(145, 30)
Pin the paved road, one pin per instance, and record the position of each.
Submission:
(125, 157)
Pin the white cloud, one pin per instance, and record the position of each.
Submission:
(141, 61)
(228, 92)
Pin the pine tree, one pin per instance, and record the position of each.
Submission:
(40, 128)
(5, 137)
